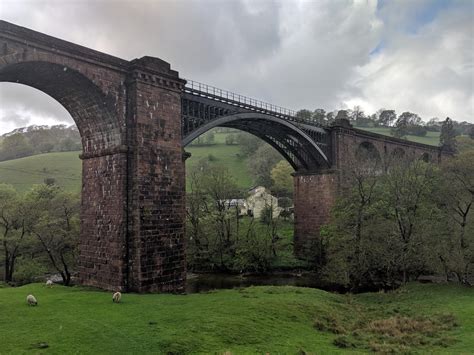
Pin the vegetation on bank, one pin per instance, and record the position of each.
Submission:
(290, 320)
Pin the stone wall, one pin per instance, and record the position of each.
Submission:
(314, 196)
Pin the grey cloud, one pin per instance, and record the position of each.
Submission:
(291, 53)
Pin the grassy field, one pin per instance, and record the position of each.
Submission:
(284, 320)
(431, 138)
(22, 173)
(65, 167)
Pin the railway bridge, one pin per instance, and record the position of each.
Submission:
(135, 118)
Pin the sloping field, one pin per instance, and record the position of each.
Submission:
(65, 167)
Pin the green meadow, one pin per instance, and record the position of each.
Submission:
(420, 318)
(65, 167)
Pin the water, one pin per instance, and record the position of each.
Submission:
(197, 283)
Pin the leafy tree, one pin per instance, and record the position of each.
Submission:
(409, 188)
(56, 226)
(13, 228)
(405, 123)
(248, 143)
(282, 178)
(447, 138)
(471, 132)
(230, 139)
(458, 194)
(261, 163)
(387, 118)
(15, 146)
(319, 116)
(304, 114)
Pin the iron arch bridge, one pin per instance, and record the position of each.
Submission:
(304, 144)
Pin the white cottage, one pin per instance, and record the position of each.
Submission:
(259, 199)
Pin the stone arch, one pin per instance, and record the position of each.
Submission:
(398, 153)
(102, 259)
(366, 151)
(291, 142)
(92, 110)
(426, 157)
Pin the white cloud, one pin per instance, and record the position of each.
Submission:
(303, 54)
(429, 73)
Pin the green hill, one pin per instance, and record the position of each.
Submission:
(65, 167)
(431, 138)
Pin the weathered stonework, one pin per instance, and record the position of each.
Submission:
(129, 118)
(314, 196)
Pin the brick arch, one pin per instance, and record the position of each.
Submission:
(426, 157)
(92, 110)
(367, 151)
(398, 153)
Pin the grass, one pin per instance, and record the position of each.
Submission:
(65, 167)
(287, 320)
(431, 138)
(23, 173)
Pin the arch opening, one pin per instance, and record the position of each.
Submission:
(90, 108)
(292, 143)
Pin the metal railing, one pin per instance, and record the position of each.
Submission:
(197, 88)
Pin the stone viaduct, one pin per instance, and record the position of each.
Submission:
(135, 117)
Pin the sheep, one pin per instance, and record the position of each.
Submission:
(49, 283)
(116, 297)
(31, 300)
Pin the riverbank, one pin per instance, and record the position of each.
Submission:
(419, 317)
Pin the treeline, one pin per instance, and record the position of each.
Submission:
(36, 140)
(405, 123)
(39, 233)
(398, 220)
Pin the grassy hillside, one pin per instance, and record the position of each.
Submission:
(22, 173)
(284, 320)
(431, 138)
(65, 167)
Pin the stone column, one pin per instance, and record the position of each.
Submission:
(102, 244)
(156, 185)
(314, 196)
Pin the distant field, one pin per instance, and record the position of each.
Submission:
(22, 173)
(431, 138)
(65, 167)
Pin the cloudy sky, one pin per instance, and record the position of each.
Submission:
(412, 55)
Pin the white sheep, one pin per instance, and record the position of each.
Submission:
(49, 283)
(116, 297)
(31, 300)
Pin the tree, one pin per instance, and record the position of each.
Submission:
(387, 118)
(56, 226)
(261, 163)
(248, 143)
(409, 187)
(458, 194)
(230, 139)
(13, 226)
(319, 116)
(15, 146)
(282, 178)
(405, 123)
(447, 138)
(304, 114)
(471, 132)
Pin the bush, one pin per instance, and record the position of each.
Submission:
(28, 270)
